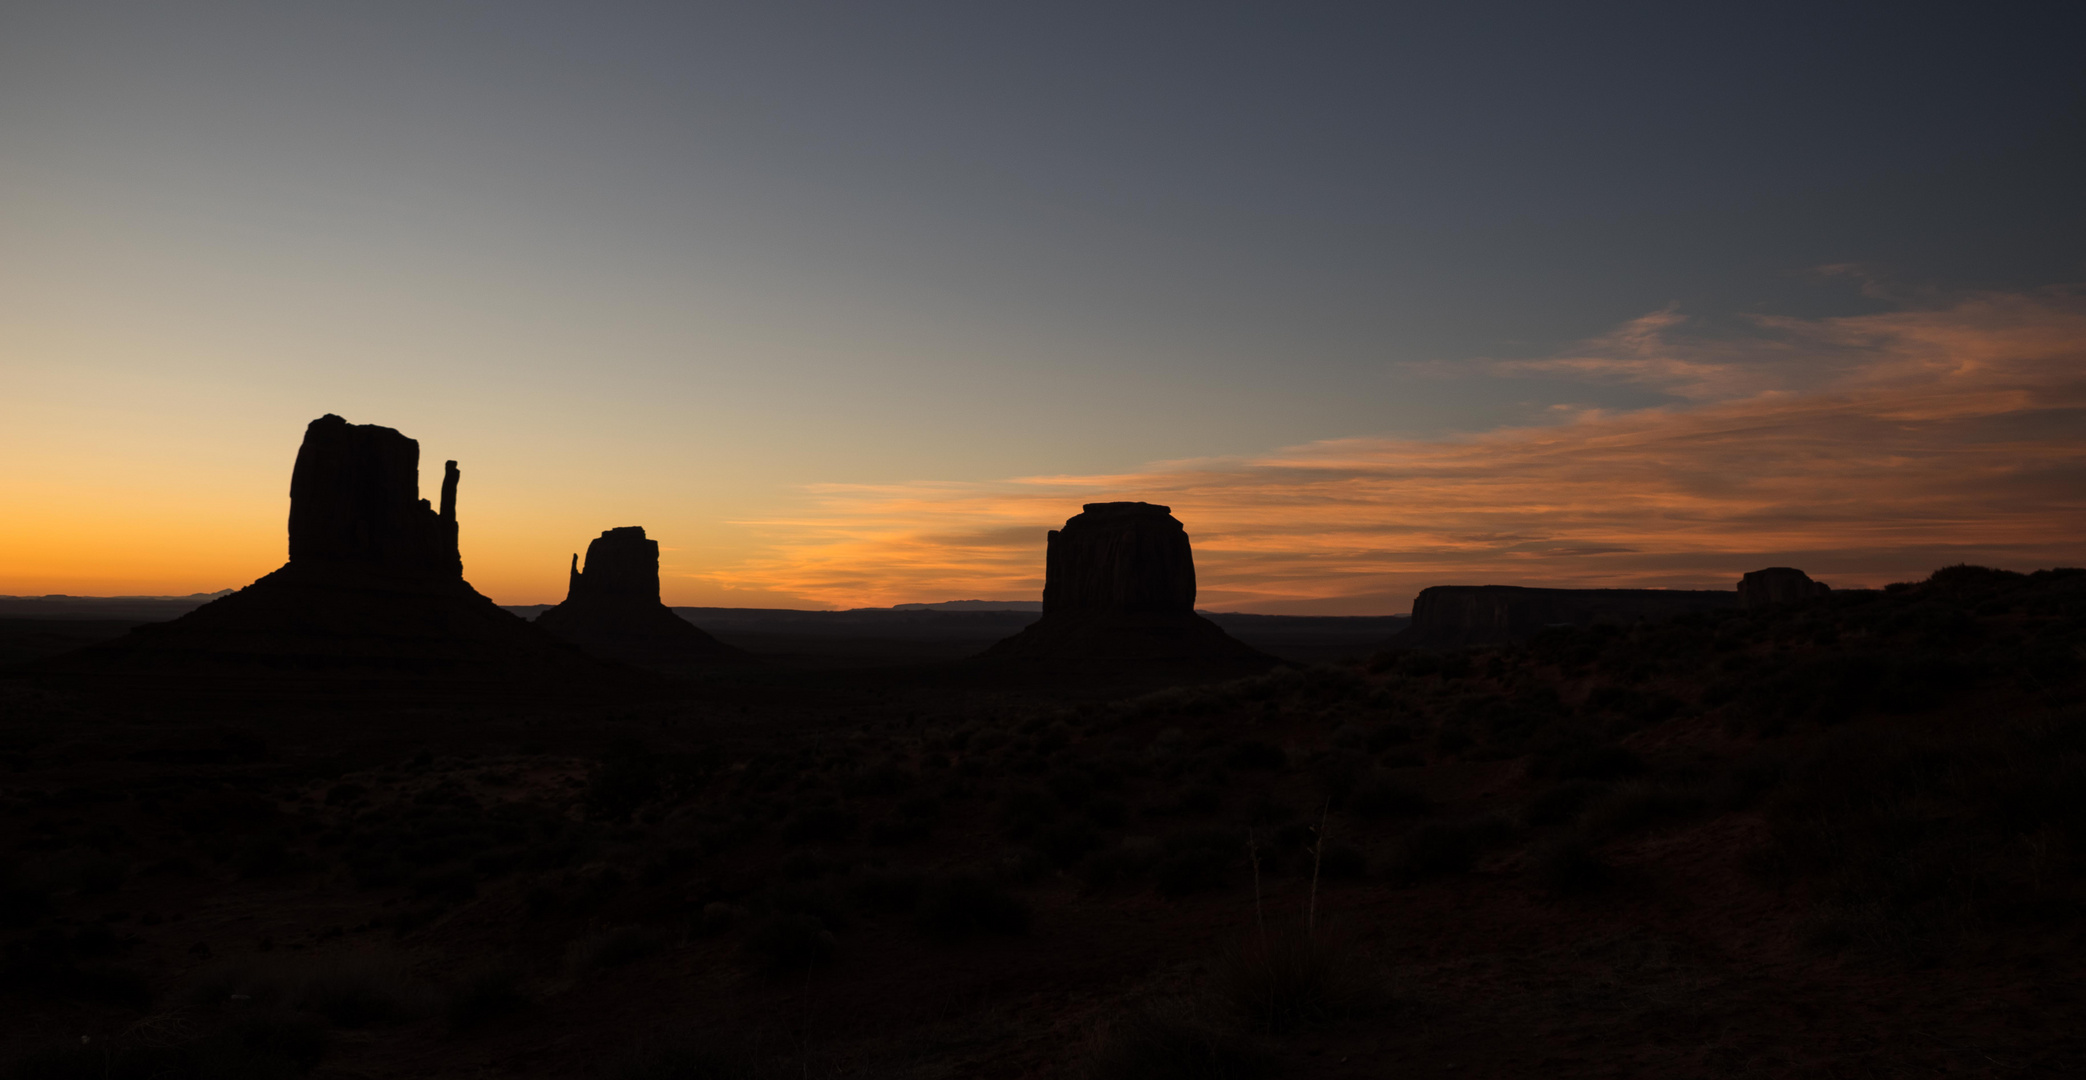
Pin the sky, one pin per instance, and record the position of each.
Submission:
(847, 304)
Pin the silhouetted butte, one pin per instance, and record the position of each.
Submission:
(612, 608)
(374, 585)
(1119, 586)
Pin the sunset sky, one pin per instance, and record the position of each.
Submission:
(847, 304)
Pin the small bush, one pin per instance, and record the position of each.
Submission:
(1067, 841)
(1173, 1040)
(890, 891)
(358, 991)
(967, 905)
(614, 948)
(1569, 867)
(1291, 978)
(1440, 848)
(1380, 795)
(1257, 755)
(682, 1060)
(1196, 862)
(1341, 862)
(261, 1047)
(1561, 803)
(484, 996)
(792, 941)
(819, 825)
(1641, 805)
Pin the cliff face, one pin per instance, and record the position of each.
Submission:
(374, 586)
(355, 497)
(1778, 585)
(612, 608)
(1119, 588)
(1120, 557)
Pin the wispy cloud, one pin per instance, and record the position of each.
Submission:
(1864, 449)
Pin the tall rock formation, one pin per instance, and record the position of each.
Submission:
(374, 586)
(612, 609)
(1778, 585)
(355, 498)
(1119, 588)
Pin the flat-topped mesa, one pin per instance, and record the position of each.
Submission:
(1778, 585)
(1119, 588)
(1454, 616)
(612, 608)
(355, 498)
(1119, 557)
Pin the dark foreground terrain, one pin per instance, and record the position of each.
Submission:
(1837, 838)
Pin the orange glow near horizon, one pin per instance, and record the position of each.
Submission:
(1863, 449)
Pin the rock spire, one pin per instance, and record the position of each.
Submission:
(374, 586)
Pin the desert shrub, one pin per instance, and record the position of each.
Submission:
(1290, 978)
(1594, 762)
(824, 824)
(1195, 862)
(1339, 771)
(1641, 805)
(1343, 862)
(1173, 1039)
(1127, 861)
(887, 891)
(1106, 812)
(631, 774)
(54, 964)
(791, 941)
(882, 779)
(485, 995)
(689, 1060)
(1024, 811)
(1562, 802)
(1256, 754)
(807, 865)
(1569, 867)
(965, 905)
(25, 896)
(1440, 848)
(266, 1046)
(615, 947)
(1384, 736)
(1912, 841)
(1433, 849)
(355, 990)
(350, 990)
(1380, 795)
(1066, 842)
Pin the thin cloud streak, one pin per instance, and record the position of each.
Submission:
(1864, 449)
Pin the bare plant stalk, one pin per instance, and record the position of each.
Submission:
(1317, 856)
(1259, 913)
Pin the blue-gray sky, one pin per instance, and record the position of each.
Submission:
(689, 265)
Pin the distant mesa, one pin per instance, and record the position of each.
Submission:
(374, 585)
(1778, 585)
(1119, 585)
(1453, 616)
(959, 606)
(612, 608)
